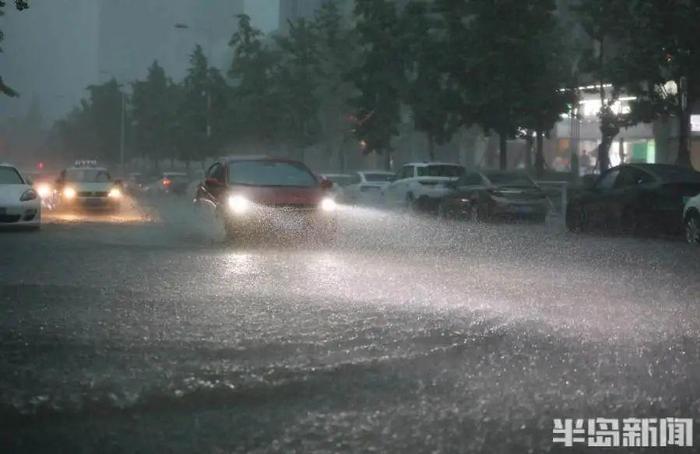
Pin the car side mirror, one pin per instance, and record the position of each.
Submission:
(213, 182)
(326, 184)
(30, 182)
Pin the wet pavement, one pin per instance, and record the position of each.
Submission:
(149, 332)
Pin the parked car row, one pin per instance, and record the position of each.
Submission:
(634, 199)
(638, 199)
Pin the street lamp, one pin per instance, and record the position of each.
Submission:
(122, 125)
(183, 26)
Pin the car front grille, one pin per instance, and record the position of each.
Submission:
(292, 207)
(92, 194)
(9, 218)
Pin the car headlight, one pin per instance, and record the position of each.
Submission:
(44, 190)
(328, 204)
(69, 193)
(238, 204)
(29, 194)
(114, 193)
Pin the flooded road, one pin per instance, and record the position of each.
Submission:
(406, 334)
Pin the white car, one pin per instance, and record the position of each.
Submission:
(20, 205)
(691, 220)
(88, 188)
(420, 185)
(340, 181)
(368, 185)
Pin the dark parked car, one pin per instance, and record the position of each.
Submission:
(486, 195)
(634, 198)
(257, 193)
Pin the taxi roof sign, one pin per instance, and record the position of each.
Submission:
(85, 163)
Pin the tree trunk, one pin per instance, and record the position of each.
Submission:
(539, 154)
(621, 151)
(529, 142)
(503, 151)
(604, 153)
(431, 147)
(683, 158)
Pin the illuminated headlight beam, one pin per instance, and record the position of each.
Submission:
(238, 204)
(328, 204)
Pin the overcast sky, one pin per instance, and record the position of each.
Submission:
(264, 13)
(52, 67)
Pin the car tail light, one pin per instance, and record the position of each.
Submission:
(167, 182)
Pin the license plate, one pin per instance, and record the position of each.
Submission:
(94, 201)
(523, 210)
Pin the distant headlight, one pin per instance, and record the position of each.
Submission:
(114, 193)
(238, 204)
(69, 193)
(29, 194)
(44, 190)
(328, 204)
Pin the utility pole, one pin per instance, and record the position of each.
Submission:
(183, 26)
(122, 138)
(122, 126)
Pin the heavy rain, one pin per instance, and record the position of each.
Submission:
(349, 226)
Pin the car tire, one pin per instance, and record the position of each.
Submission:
(540, 219)
(410, 204)
(478, 212)
(692, 229)
(442, 212)
(629, 222)
(576, 218)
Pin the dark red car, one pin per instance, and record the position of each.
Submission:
(258, 192)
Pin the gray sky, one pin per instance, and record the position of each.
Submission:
(53, 67)
(264, 13)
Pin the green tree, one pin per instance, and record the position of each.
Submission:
(296, 82)
(75, 135)
(255, 108)
(605, 21)
(426, 92)
(105, 119)
(378, 76)
(663, 46)
(19, 5)
(93, 129)
(154, 103)
(495, 61)
(194, 117)
(548, 85)
(337, 51)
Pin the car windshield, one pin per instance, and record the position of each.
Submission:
(380, 177)
(8, 175)
(270, 173)
(510, 179)
(88, 176)
(441, 171)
